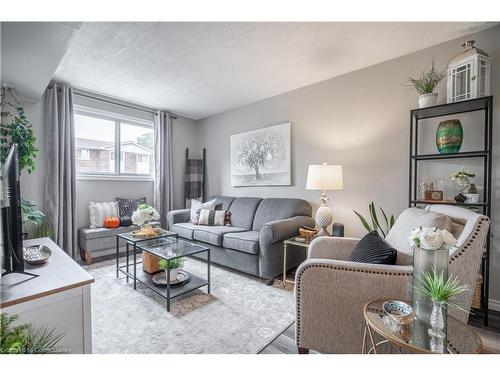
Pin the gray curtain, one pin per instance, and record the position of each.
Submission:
(60, 179)
(163, 189)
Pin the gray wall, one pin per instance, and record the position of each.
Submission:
(32, 185)
(359, 120)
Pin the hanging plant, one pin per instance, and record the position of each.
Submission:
(15, 128)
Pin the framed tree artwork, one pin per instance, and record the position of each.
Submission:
(261, 157)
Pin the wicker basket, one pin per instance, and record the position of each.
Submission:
(476, 298)
(307, 234)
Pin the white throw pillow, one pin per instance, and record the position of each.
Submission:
(196, 206)
(100, 211)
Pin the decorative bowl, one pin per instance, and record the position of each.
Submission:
(36, 255)
(161, 279)
(148, 232)
(399, 311)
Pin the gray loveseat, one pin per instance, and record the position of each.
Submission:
(253, 243)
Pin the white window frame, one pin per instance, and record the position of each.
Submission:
(87, 154)
(117, 119)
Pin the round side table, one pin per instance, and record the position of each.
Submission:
(460, 339)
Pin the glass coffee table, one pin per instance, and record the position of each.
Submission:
(132, 241)
(414, 337)
(168, 248)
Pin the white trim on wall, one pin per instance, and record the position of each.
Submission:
(114, 177)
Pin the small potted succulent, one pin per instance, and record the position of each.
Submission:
(173, 265)
(425, 86)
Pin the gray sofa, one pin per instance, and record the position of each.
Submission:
(253, 243)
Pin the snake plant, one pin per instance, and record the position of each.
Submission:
(375, 222)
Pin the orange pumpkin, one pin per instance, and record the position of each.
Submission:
(111, 222)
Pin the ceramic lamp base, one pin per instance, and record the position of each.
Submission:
(324, 218)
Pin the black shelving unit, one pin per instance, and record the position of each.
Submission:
(484, 104)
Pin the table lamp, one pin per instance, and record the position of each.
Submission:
(324, 177)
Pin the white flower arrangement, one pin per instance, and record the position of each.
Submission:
(144, 214)
(432, 238)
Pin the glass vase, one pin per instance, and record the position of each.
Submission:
(437, 321)
(426, 261)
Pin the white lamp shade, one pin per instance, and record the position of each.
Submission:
(325, 177)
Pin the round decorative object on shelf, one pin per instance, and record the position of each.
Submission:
(449, 136)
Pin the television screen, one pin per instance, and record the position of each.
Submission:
(12, 241)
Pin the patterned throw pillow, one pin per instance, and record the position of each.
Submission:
(213, 217)
(196, 206)
(126, 208)
(100, 211)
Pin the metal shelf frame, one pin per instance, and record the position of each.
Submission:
(484, 104)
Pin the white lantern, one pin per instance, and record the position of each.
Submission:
(468, 74)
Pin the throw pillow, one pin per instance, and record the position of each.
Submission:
(213, 217)
(196, 206)
(100, 211)
(126, 208)
(373, 249)
(410, 219)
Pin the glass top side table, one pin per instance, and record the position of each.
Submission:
(460, 339)
(286, 243)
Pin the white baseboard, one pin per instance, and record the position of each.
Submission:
(494, 304)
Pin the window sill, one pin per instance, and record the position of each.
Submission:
(97, 177)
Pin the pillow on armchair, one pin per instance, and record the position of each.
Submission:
(373, 249)
(410, 219)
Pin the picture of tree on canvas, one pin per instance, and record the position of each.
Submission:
(261, 157)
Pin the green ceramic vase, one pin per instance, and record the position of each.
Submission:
(449, 136)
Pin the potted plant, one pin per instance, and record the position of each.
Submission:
(441, 291)
(375, 223)
(31, 217)
(468, 191)
(16, 128)
(173, 265)
(24, 339)
(425, 86)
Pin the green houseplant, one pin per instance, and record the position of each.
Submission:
(24, 339)
(426, 84)
(173, 265)
(15, 128)
(44, 229)
(375, 222)
(29, 213)
(441, 291)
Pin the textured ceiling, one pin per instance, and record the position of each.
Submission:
(31, 52)
(200, 69)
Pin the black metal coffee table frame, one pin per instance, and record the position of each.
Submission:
(169, 291)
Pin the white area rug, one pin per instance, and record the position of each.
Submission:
(240, 316)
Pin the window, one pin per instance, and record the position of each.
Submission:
(108, 145)
(82, 154)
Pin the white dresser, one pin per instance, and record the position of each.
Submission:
(58, 298)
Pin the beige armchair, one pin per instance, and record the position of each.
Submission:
(331, 291)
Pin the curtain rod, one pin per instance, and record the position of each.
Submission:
(120, 104)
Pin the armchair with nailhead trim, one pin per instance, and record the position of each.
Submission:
(331, 291)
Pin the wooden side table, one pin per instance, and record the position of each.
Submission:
(414, 338)
(291, 241)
